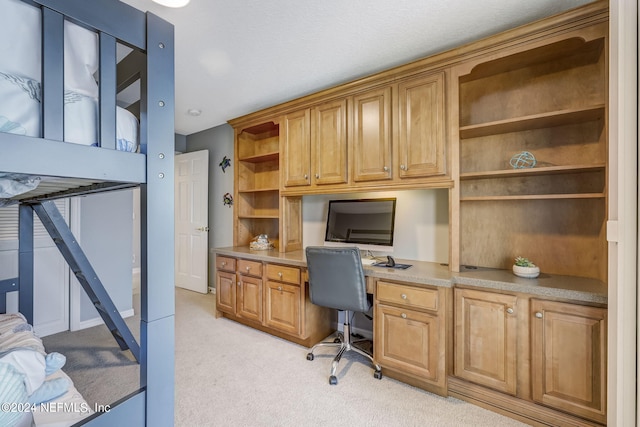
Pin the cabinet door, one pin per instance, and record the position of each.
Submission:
(249, 298)
(408, 341)
(422, 128)
(485, 339)
(569, 362)
(329, 142)
(296, 147)
(226, 291)
(283, 307)
(372, 135)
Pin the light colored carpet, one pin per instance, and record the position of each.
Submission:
(230, 375)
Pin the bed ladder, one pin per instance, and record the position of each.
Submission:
(59, 231)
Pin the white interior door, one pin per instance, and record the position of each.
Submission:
(192, 220)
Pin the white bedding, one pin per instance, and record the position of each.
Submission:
(21, 349)
(20, 76)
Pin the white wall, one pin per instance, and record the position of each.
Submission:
(422, 222)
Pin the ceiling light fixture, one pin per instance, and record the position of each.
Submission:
(194, 112)
(172, 3)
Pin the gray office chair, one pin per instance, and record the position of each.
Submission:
(336, 280)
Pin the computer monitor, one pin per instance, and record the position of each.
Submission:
(365, 223)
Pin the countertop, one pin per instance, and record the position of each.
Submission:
(430, 273)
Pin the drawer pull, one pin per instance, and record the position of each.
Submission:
(403, 296)
(224, 263)
(403, 315)
(539, 315)
(248, 268)
(240, 283)
(510, 310)
(280, 288)
(280, 274)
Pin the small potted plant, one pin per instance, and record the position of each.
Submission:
(525, 268)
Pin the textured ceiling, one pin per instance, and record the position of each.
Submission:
(234, 57)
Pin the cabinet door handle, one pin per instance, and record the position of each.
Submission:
(539, 315)
(404, 316)
(385, 169)
(240, 283)
(280, 288)
(306, 176)
(317, 175)
(403, 167)
(510, 310)
(403, 296)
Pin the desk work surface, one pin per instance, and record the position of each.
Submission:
(435, 274)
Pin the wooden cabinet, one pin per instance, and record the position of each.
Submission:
(314, 145)
(533, 156)
(486, 339)
(409, 333)
(270, 297)
(283, 298)
(296, 148)
(538, 355)
(569, 363)
(422, 126)
(329, 142)
(371, 135)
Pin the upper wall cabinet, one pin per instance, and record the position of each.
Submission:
(371, 135)
(421, 136)
(314, 145)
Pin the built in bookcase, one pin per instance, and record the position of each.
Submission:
(257, 196)
(549, 101)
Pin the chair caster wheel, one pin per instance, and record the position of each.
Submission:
(333, 380)
(309, 356)
(377, 375)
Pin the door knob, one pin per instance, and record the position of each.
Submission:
(202, 228)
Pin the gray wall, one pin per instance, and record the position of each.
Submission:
(219, 142)
(106, 238)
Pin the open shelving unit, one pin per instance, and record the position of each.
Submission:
(551, 102)
(257, 198)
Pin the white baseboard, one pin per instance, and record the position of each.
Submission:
(98, 320)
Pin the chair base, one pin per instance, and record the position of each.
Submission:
(344, 343)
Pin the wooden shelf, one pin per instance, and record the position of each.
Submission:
(258, 216)
(534, 121)
(266, 157)
(547, 170)
(258, 190)
(535, 197)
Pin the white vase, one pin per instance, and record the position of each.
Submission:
(527, 272)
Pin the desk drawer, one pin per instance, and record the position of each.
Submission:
(283, 273)
(407, 296)
(225, 263)
(250, 268)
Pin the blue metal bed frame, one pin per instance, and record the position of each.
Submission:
(151, 169)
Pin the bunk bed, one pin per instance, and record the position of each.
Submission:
(45, 156)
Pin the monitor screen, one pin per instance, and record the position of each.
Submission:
(361, 222)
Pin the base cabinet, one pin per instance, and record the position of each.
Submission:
(270, 297)
(409, 333)
(485, 339)
(569, 363)
(548, 358)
